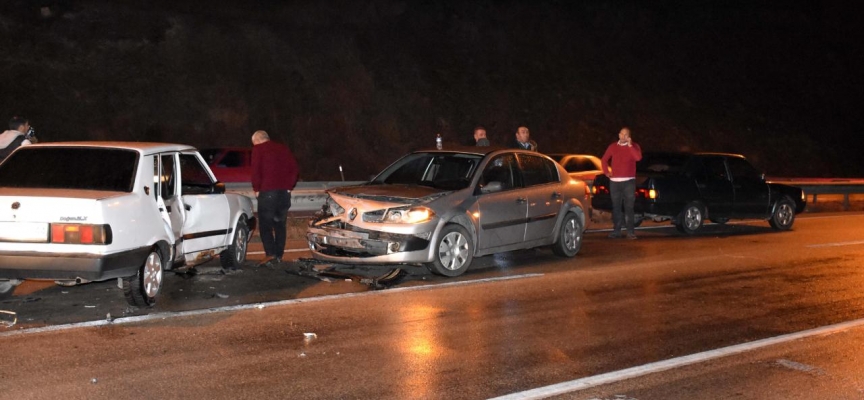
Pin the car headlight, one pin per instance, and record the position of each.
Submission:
(408, 215)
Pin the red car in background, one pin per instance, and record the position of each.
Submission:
(230, 164)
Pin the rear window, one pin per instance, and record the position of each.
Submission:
(662, 163)
(84, 168)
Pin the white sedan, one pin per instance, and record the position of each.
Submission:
(76, 212)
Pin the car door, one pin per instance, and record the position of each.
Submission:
(751, 191)
(543, 191)
(171, 206)
(503, 212)
(712, 180)
(207, 216)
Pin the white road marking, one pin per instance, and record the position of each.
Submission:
(835, 244)
(635, 372)
(260, 306)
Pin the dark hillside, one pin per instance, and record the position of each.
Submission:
(362, 82)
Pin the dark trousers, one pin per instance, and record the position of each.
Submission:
(623, 197)
(273, 208)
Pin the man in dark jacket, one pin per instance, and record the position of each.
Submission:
(15, 137)
(274, 175)
(523, 139)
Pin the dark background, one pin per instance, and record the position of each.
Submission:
(360, 83)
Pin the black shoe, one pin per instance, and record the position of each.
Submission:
(268, 262)
(632, 236)
(614, 235)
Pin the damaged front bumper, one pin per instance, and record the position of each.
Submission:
(367, 247)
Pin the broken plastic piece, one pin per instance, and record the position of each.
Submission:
(8, 321)
(310, 336)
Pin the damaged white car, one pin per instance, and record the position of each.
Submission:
(442, 208)
(92, 211)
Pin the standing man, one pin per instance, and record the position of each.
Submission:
(622, 176)
(480, 136)
(523, 140)
(15, 137)
(274, 175)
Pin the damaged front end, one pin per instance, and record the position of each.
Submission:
(356, 228)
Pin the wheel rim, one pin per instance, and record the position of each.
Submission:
(453, 251)
(571, 235)
(152, 279)
(240, 246)
(784, 214)
(693, 218)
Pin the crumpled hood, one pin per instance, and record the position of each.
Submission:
(383, 196)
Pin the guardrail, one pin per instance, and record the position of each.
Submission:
(310, 196)
(306, 196)
(813, 187)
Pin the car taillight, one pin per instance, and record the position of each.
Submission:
(600, 189)
(80, 234)
(646, 193)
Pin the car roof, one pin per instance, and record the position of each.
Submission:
(142, 147)
(698, 153)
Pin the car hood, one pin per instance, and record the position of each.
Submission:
(382, 196)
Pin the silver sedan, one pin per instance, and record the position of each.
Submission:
(442, 208)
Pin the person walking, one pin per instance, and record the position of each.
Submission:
(274, 175)
(623, 155)
(523, 139)
(15, 137)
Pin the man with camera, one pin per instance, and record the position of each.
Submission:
(20, 133)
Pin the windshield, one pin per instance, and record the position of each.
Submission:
(446, 171)
(85, 168)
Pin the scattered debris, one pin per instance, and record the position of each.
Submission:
(93, 381)
(31, 299)
(222, 296)
(86, 306)
(8, 321)
(311, 268)
(108, 317)
(309, 336)
(302, 354)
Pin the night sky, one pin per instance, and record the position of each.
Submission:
(360, 83)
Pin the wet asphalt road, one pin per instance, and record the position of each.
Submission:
(619, 304)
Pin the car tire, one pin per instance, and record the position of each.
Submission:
(784, 215)
(453, 251)
(691, 218)
(234, 256)
(569, 236)
(142, 288)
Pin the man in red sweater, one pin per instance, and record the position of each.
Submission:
(274, 175)
(622, 176)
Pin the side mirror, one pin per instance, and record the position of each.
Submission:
(491, 187)
(218, 188)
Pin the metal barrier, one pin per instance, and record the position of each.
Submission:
(816, 186)
(306, 196)
(310, 196)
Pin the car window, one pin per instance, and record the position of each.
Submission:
(714, 168)
(233, 159)
(194, 176)
(660, 163)
(167, 178)
(447, 171)
(742, 169)
(84, 168)
(579, 165)
(537, 170)
(503, 169)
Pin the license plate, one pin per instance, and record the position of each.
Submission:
(24, 232)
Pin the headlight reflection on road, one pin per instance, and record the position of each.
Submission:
(420, 348)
